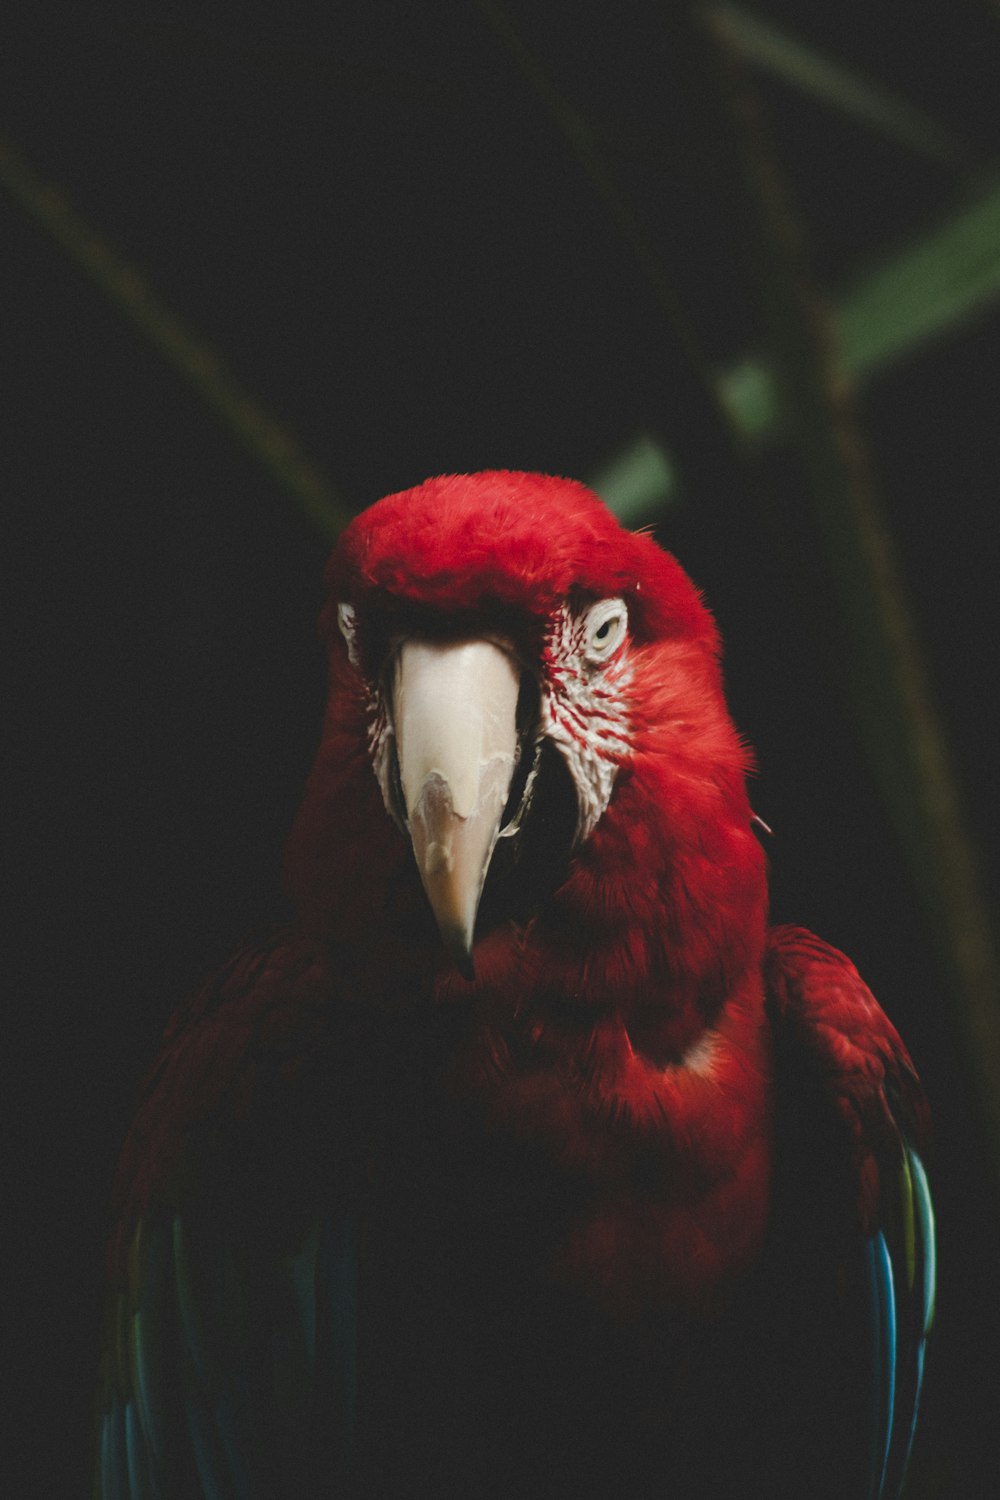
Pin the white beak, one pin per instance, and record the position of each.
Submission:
(454, 709)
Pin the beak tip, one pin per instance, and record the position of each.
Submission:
(458, 941)
(459, 946)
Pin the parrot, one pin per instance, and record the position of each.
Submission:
(526, 1158)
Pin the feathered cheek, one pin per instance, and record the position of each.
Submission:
(586, 717)
(382, 753)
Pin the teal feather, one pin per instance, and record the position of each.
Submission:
(901, 1272)
(218, 1406)
(187, 1302)
(883, 1342)
(292, 1351)
(147, 1340)
(927, 1252)
(114, 1469)
(207, 1460)
(137, 1456)
(105, 1474)
(248, 1356)
(301, 1272)
(144, 1389)
(887, 1299)
(925, 1214)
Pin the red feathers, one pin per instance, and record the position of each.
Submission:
(523, 541)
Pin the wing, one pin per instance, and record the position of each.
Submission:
(229, 1343)
(854, 1120)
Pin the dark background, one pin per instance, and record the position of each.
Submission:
(370, 215)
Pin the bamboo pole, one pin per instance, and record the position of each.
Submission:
(888, 681)
(273, 445)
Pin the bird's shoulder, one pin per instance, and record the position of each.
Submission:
(269, 1048)
(829, 1025)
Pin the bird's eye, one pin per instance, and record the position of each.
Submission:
(605, 625)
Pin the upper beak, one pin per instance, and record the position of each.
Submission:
(454, 707)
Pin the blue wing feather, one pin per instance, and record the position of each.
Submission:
(883, 1335)
(925, 1252)
(199, 1394)
(137, 1456)
(146, 1340)
(199, 1429)
(925, 1218)
(901, 1288)
(114, 1454)
(218, 1324)
(301, 1271)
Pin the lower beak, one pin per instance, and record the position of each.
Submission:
(454, 707)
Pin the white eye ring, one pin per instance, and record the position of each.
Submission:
(605, 627)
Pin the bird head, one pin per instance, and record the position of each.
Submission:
(504, 656)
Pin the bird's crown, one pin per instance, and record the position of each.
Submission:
(506, 539)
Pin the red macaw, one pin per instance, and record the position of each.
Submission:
(528, 1162)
